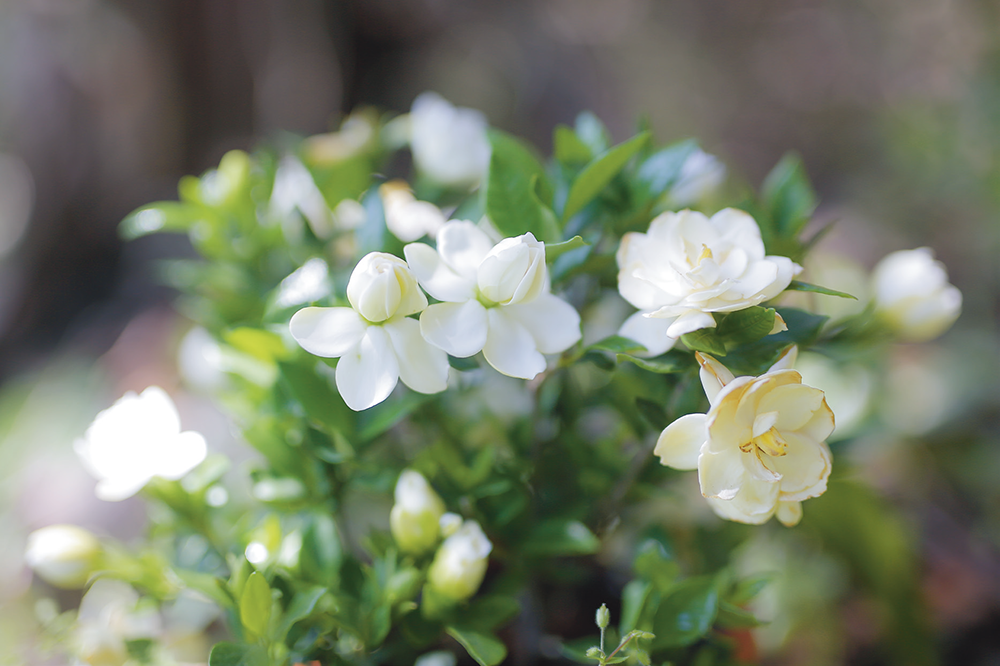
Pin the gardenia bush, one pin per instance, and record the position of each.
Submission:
(451, 425)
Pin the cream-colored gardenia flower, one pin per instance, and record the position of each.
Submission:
(63, 555)
(761, 448)
(460, 563)
(135, 439)
(376, 340)
(449, 143)
(688, 266)
(913, 295)
(415, 517)
(408, 218)
(495, 299)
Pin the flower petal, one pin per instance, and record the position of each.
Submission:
(713, 375)
(327, 332)
(422, 366)
(437, 277)
(650, 332)
(679, 445)
(795, 405)
(368, 372)
(755, 503)
(691, 320)
(721, 474)
(182, 454)
(804, 468)
(789, 513)
(553, 323)
(458, 328)
(463, 246)
(510, 348)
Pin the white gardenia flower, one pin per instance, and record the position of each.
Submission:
(295, 190)
(135, 439)
(63, 555)
(688, 266)
(405, 216)
(376, 341)
(110, 616)
(913, 295)
(700, 176)
(495, 299)
(761, 448)
(460, 563)
(415, 517)
(449, 143)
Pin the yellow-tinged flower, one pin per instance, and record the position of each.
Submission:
(63, 555)
(415, 517)
(913, 295)
(761, 448)
(460, 563)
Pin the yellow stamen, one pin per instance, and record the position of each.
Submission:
(706, 253)
(771, 443)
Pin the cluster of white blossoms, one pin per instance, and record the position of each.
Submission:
(688, 266)
(418, 521)
(761, 448)
(495, 298)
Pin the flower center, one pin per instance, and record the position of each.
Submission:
(770, 442)
(706, 253)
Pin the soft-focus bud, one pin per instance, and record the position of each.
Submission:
(449, 143)
(449, 523)
(701, 176)
(63, 555)
(405, 216)
(414, 518)
(913, 296)
(513, 271)
(603, 617)
(382, 286)
(460, 563)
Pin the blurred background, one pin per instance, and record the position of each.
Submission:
(893, 105)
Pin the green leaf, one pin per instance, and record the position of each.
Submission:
(490, 611)
(745, 326)
(617, 344)
(160, 216)
(704, 340)
(662, 366)
(320, 401)
(634, 597)
(734, 617)
(211, 586)
(322, 553)
(556, 537)
(662, 169)
(795, 285)
(788, 197)
(653, 412)
(301, 607)
(653, 563)
(553, 251)
(486, 649)
(568, 147)
(376, 420)
(596, 175)
(233, 654)
(750, 587)
(580, 650)
(255, 604)
(259, 343)
(511, 201)
(686, 613)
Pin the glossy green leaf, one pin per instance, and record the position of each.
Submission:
(234, 654)
(745, 326)
(511, 202)
(596, 175)
(652, 563)
(320, 400)
(704, 340)
(255, 604)
(555, 537)
(303, 604)
(617, 344)
(634, 596)
(686, 613)
(322, 553)
(666, 365)
(486, 649)
(796, 285)
(662, 169)
(376, 420)
(555, 250)
(788, 197)
(490, 611)
(568, 147)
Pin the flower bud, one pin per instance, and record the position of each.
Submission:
(382, 286)
(513, 271)
(913, 296)
(414, 518)
(449, 143)
(603, 617)
(63, 555)
(460, 563)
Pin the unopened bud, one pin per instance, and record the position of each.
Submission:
(63, 555)
(415, 515)
(603, 617)
(460, 563)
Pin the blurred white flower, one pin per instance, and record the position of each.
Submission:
(63, 555)
(135, 439)
(460, 563)
(109, 616)
(688, 266)
(308, 283)
(847, 386)
(913, 295)
(700, 176)
(295, 190)
(834, 271)
(376, 341)
(406, 217)
(414, 519)
(449, 143)
(495, 299)
(761, 448)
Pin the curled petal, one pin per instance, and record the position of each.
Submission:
(721, 474)
(553, 323)
(458, 328)
(327, 332)
(649, 332)
(690, 321)
(463, 246)
(788, 357)
(510, 348)
(804, 468)
(713, 375)
(368, 372)
(436, 276)
(680, 443)
(422, 366)
(789, 513)
(794, 405)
